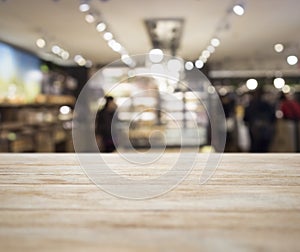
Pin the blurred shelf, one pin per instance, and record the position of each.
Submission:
(43, 100)
(34, 128)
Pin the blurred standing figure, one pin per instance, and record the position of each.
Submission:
(104, 125)
(260, 119)
(289, 107)
(228, 102)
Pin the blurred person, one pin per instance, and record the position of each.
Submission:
(228, 103)
(104, 125)
(243, 137)
(290, 108)
(260, 119)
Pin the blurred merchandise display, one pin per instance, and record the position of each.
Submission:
(153, 108)
(36, 104)
(35, 128)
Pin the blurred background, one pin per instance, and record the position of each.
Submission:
(248, 50)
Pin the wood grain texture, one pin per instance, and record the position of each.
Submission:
(252, 203)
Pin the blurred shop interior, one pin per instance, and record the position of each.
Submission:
(50, 49)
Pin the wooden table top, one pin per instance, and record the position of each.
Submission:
(252, 203)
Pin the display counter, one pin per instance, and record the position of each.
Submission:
(252, 203)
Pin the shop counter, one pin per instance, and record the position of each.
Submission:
(251, 203)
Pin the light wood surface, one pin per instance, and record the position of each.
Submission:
(252, 203)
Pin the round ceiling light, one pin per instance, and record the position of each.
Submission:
(107, 36)
(278, 48)
(101, 27)
(215, 42)
(156, 55)
(238, 10)
(252, 84)
(41, 43)
(84, 7)
(199, 64)
(279, 83)
(189, 65)
(292, 60)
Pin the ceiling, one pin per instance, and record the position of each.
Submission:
(246, 41)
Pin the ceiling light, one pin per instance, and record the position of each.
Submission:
(199, 64)
(56, 49)
(238, 10)
(111, 43)
(189, 65)
(279, 83)
(292, 60)
(101, 27)
(215, 42)
(278, 48)
(65, 55)
(156, 55)
(117, 47)
(251, 84)
(83, 7)
(206, 54)
(41, 43)
(126, 59)
(211, 49)
(89, 18)
(107, 36)
(77, 58)
(81, 62)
